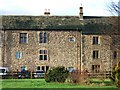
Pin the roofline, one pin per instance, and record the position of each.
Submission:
(55, 16)
(45, 29)
(78, 30)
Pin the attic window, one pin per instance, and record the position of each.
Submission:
(72, 39)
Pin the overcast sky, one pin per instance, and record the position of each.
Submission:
(57, 7)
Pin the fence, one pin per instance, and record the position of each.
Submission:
(75, 75)
(84, 76)
(15, 75)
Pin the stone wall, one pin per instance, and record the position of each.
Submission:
(0, 56)
(104, 52)
(0, 40)
(61, 52)
(1, 44)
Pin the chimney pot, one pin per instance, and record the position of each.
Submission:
(47, 12)
(81, 13)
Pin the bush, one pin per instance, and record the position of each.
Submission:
(57, 74)
(79, 77)
(115, 77)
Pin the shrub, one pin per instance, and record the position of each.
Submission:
(115, 77)
(57, 74)
(79, 77)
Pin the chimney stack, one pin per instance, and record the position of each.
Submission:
(81, 13)
(47, 12)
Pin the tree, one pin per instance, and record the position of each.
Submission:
(116, 75)
(115, 36)
(114, 31)
(114, 8)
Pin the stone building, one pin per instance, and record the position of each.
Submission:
(1, 41)
(42, 42)
(0, 50)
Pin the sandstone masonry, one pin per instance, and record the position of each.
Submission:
(35, 43)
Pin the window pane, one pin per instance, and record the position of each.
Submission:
(17, 55)
(41, 57)
(45, 51)
(41, 37)
(20, 54)
(96, 68)
(95, 40)
(21, 40)
(95, 54)
(23, 37)
(45, 57)
(45, 39)
(72, 39)
(25, 40)
(43, 68)
(38, 68)
(41, 51)
(40, 40)
(43, 54)
(45, 34)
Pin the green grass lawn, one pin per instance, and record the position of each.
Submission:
(40, 83)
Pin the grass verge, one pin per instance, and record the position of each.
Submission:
(40, 83)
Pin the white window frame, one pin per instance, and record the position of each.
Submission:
(98, 40)
(43, 54)
(19, 55)
(20, 37)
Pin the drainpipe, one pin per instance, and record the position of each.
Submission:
(81, 49)
(77, 47)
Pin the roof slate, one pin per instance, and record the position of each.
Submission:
(87, 26)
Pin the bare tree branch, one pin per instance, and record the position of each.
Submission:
(114, 8)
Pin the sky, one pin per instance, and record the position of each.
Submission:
(57, 7)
